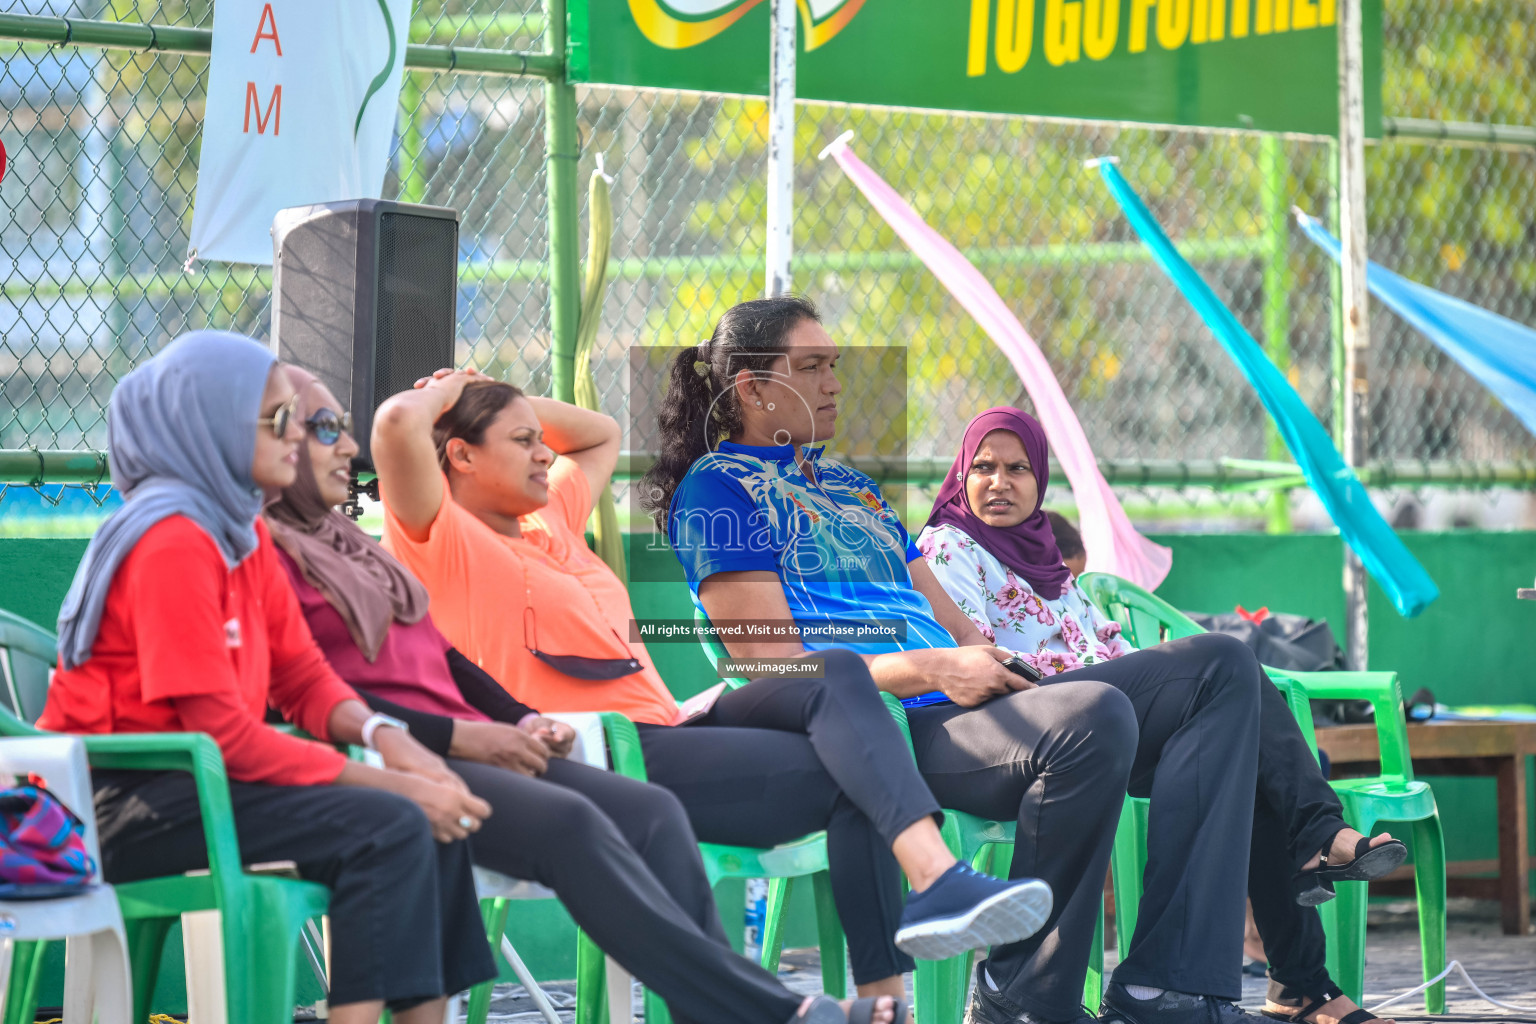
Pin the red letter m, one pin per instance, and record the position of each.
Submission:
(274, 109)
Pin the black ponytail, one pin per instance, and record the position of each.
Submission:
(701, 405)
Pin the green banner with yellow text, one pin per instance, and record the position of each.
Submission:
(1267, 65)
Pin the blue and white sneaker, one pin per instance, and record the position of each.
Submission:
(965, 910)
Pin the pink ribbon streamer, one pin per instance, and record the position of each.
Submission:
(1112, 543)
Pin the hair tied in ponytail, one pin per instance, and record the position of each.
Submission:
(699, 410)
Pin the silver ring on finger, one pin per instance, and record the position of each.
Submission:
(466, 822)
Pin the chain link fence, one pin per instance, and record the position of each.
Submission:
(103, 145)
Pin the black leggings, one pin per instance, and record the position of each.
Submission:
(779, 758)
(1178, 723)
(405, 921)
(624, 862)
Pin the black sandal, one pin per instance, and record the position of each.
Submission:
(1315, 887)
(825, 1010)
(1307, 1006)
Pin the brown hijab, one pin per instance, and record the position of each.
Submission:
(361, 580)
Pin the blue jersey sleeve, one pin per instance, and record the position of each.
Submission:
(715, 526)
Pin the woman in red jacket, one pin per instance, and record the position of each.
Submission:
(181, 619)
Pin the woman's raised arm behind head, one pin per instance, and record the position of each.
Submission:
(404, 455)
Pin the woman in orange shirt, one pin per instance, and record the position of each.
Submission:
(181, 619)
(480, 509)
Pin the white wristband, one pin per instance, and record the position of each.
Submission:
(373, 723)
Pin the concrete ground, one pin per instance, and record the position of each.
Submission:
(1503, 966)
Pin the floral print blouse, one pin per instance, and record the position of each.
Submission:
(1054, 636)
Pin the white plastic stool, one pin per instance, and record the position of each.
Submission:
(96, 978)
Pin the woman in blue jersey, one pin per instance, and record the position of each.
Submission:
(768, 527)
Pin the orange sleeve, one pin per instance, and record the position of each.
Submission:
(570, 496)
(175, 580)
(253, 751)
(304, 686)
(426, 558)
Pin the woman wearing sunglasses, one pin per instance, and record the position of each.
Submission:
(180, 620)
(481, 509)
(619, 853)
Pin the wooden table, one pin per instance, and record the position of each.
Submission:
(1496, 749)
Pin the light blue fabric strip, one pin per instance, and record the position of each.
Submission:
(1380, 549)
(1497, 351)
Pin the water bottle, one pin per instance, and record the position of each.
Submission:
(757, 915)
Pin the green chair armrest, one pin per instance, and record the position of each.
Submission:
(1148, 619)
(899, 713)
(624, 745)
(192, 752)
(1386, 697)
(1299, 699)
(10, 725)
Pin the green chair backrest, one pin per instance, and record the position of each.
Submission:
(1147, 619)
(713, 648)
(27, 654)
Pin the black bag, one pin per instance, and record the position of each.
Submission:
(1298, 644)
(1292, 642)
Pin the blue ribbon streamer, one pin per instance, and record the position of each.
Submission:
(1362, 527)
(1499, 352)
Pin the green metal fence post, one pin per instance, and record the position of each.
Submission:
(561, 153)
(1277, 295)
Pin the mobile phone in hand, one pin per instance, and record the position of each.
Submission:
(1019, 667)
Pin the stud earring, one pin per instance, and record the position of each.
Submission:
(759, 405)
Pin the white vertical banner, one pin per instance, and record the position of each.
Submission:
(303, 98)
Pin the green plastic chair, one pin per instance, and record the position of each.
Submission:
(940, 986)
(1128, 863)
(261, 915)
(1393, 796)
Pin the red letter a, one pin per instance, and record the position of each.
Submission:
(267, 18)
(274, 109)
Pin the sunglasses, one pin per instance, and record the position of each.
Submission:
(328, 426)
(279, 420)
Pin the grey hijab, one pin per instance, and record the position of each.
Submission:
(181, 435)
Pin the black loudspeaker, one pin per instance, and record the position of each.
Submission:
(364, 298)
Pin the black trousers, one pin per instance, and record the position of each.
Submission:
(623, 860)
(780, 758)
(405, 922)
(1178, 723)
(1296, 813)
(1295, 816)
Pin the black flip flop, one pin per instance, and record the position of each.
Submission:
(1315, 887)
(825, 1010)
(1308, 1005)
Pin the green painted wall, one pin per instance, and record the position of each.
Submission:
(1471, 646)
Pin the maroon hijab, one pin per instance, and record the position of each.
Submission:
(1029, 549)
